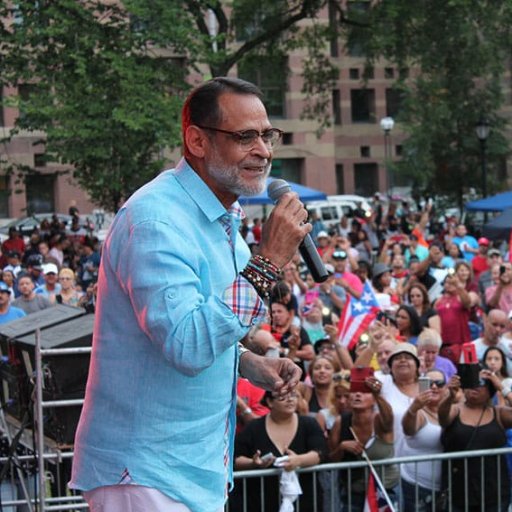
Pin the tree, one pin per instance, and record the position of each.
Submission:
(456, 52)
(107, 102)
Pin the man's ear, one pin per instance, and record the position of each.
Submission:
(196, 141)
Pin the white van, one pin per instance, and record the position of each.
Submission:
(333, 210)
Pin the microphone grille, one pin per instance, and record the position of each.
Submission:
(277, 188)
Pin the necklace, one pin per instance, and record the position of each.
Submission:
(431, 413)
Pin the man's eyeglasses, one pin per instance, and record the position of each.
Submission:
(248, 138)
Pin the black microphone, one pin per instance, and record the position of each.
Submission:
(307, 248)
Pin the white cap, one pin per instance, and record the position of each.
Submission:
(49, 268)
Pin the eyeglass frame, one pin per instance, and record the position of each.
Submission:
(237, 136)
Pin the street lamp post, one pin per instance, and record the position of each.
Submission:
(386, 124)
(482, 132)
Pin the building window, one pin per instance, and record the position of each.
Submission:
(362, 102)
(389, 73)
(289, 169)
(366, 179)
(287, 139)
(369, 73)
(24, 91)
(2, 119)
(357, 12)
(333, 27)
(354, 73)
(365, 151)
(336, 106)
(39, 160)
(4, 196)
(399, 150)
(270, 75)
(394, 101)
(40, 191)
(340, 182)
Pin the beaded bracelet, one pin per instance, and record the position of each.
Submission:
(261, 284)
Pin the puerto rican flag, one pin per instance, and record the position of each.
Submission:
(374, 502)
(357, 315)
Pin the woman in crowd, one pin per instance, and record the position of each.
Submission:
(417, 297)
(400, 387)
(68, 293)
(453, 254)
(367, 428)
(339, 396)
(495, 361)
(9, 279)
(279, 433)
(320, 371)
(428, 346)
(453, 308)
(408, 323)
(474, 424)
(381, 282)
(421, 481)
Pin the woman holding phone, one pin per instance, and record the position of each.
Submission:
(423, 437)
(474, 424)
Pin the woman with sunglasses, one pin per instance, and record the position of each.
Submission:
(474, 424)
(281, 432)
(423, 437)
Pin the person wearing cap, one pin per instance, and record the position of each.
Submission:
(332, 295)
(35, 269)
(343, 276)
(467, 243)
(400, 387)
(323, 244)
(318, 226)
(474, 424)
(29, 301)
(480, 262)
(51, 286)
(8, 313)
(13, 263)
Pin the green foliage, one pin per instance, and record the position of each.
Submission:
(460, 49)
(108, 106)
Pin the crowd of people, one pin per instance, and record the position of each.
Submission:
(58, 265)
(441, 293)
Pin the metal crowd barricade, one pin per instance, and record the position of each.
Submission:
(242, 477)
(66, 501)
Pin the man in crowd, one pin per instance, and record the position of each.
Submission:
(177, 289)
(29, 301)
(494, 327)
(467, 243)
(51, 287)
(500, 295)
(8, 313)
(485, 280)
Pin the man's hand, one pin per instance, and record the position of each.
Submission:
(284, 230)
(278, 375)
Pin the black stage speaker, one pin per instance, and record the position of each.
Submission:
(16, 389)
(65, 376)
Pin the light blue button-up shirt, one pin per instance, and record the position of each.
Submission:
(159, 403)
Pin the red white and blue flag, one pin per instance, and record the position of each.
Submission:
(357, 315)
(374, 501)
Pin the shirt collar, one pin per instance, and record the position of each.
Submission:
(202, 195)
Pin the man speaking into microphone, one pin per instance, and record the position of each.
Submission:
(177, 291)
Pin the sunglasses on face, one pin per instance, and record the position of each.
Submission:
(439, 383)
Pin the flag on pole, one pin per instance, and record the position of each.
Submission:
(374, 501)
(357, 315)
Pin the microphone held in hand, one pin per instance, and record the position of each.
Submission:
(307, 248)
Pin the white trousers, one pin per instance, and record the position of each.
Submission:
(131, 498)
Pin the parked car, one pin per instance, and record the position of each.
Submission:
(27, 225)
